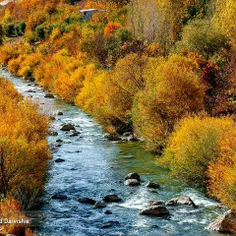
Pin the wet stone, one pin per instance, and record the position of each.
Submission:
(99, 204)
(49, 95)
(59, 197)
(68, 127)
(108, 212)
(59, 160)
(111, 198)
(152, 185)
(86, 201)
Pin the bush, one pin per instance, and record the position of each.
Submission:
(201, 36)
(222, 172)
(173, 89)
(196, 144)
(23, 147)
(111, 28)
(11, 209)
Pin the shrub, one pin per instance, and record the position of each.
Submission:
(196, 143)
(111, 28)
(173, 89)
(23, 147)
(11, 209)
(222, 172)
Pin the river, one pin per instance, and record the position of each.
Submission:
(95, 167)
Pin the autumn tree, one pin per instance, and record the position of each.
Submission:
(173, 89)
(201, 151)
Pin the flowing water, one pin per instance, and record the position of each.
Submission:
(95, 167)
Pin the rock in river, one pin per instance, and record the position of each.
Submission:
(59, 196)
(99, 204)
(86, 200)
(58, 160)
(132, 176)
(108, 212)
(155, 211)
(152, 185)
(49, 95)
(112, 137)
(225, 223)
(111, 198)
(156, 202)
(68, 127)
(132, 182)
(184, 200)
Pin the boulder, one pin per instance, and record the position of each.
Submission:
(74, 134)
(59, 196)
(110, 224)
(111, 198)
(127, 134)
(156, 203)
(132, 182)
(60, 113)
(87, 201)
(132, 176)
(49, 95)
(52, 133)
(151, 190)
(68, 127)
(58, 160)
(99, 204)
(31, 91)
(152, 185)
(112, 137)
(108, 212)
(184, 200)
(156, 210)
(225, 223)
(59, 141)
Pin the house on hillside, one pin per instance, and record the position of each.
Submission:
(5, 3)
(87, 14)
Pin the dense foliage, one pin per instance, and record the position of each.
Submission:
(202, 152)
(140, 66)
(23, 147)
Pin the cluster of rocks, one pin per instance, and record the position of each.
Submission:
(127, 136)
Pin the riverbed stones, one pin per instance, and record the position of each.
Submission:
(153, 185)
(87, 200)
(59, 197)
(155, 210)
(225, 223)
(68, 127)
(99, 204)
(49, 95)
(184, 200)
(112, 137)
(112, 198)
(132, 182)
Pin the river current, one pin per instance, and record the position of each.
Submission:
(95, 167)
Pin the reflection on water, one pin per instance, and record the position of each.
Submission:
(94, 167)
